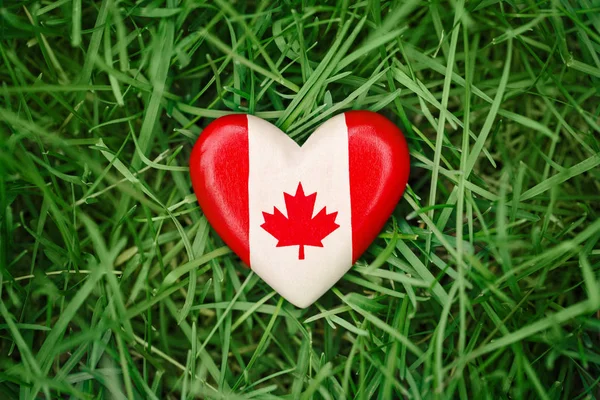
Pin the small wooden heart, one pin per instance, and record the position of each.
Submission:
(300, 216)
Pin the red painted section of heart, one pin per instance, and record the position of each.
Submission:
(379, 168)
(219, 167)
(300, 228)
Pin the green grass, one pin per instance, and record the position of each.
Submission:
(483, 285)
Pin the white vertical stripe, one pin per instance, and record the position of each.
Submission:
(277, 165)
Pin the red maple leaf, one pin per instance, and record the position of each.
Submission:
(299, 228)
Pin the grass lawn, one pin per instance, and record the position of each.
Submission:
(484, 283)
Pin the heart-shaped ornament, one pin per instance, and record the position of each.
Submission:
(299, 216)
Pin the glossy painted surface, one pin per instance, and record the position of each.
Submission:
(236, 186)
(379, 168)
(219, 171)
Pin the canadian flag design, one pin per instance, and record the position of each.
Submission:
(300, 227)
(299, 216)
